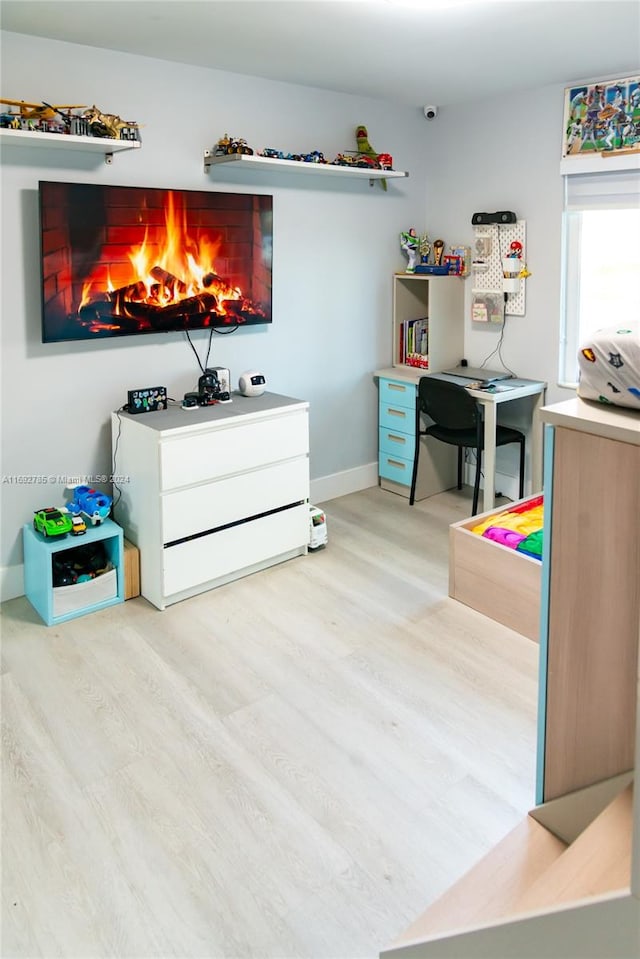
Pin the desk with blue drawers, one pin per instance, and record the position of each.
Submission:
(398, 389)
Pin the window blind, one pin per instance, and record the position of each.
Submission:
(616, 190)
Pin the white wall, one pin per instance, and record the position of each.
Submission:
(491, 157)
(335, 248)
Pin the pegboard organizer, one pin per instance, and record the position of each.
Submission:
(488, 279)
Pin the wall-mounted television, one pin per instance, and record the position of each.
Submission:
(118, 260)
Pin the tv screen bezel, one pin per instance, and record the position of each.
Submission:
(200, 323)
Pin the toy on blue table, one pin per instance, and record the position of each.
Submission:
(95, 506)
(52, 522)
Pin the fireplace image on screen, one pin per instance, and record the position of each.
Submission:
(122, 260)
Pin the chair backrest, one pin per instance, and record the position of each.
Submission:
(448, 404)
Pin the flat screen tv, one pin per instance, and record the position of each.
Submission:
(118, 260)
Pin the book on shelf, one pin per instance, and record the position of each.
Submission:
(413, 336)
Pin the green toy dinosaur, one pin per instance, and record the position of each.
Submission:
(362, 139)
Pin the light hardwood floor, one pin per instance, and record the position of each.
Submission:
(292, 765)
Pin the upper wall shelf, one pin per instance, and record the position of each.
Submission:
(299, 166)
(64, 141)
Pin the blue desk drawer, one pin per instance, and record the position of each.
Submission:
(395, 468)
(396, 444)
(397, 393)
(398, 419)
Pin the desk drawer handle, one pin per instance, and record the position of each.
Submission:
(396, 439)
(396, 412)
(398, 386)
(397, 464)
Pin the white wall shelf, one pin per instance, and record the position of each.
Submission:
(298, 166)
(63, 141)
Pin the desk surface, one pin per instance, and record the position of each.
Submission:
(500, 392)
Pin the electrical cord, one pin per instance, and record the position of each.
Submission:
(195, 352)
(116, 500)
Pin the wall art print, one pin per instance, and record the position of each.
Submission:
(602, 118)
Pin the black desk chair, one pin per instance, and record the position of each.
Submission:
(457, 420)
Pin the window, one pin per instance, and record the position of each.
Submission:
(601, 259)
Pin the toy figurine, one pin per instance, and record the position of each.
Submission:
(108, 125)
(95, 506)
(364, 147)
(409, 243)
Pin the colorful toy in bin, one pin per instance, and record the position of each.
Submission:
(95, 506)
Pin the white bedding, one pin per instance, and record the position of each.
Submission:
(609, 363)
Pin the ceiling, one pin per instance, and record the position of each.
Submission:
(438, 52)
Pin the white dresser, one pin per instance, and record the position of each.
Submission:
(212, 494)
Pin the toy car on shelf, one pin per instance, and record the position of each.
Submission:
(51, 522)
(95, 506)
(78, 526)
(342, 159)
(314, 157)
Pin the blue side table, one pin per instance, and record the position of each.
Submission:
(59, 604)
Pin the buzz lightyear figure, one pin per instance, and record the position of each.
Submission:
(409, 244)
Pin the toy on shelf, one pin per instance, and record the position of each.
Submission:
(51, 521)
(79, 527)
(227, 145)
(46, 117)
(95, 506)
(366, 150)
(110, 125)
(409, 243)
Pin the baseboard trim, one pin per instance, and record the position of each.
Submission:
(340, 484)
(11, 582)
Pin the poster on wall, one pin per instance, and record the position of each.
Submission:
(602, 119)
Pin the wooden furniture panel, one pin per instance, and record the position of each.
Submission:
(440, 299)
(594, 610)
(497, 581)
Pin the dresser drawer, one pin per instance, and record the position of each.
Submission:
(224, 501)
(396, 444)
(397, 419)
(395, 468)
(225, 450)
(211, 557)
(397, 393)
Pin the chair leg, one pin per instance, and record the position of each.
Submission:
(522, 468)
(459, 467)
(476, 485)
(414, 474)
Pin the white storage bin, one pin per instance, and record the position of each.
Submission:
(70, 599)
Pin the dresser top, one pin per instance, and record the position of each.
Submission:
(176, 418)
(600, 419)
